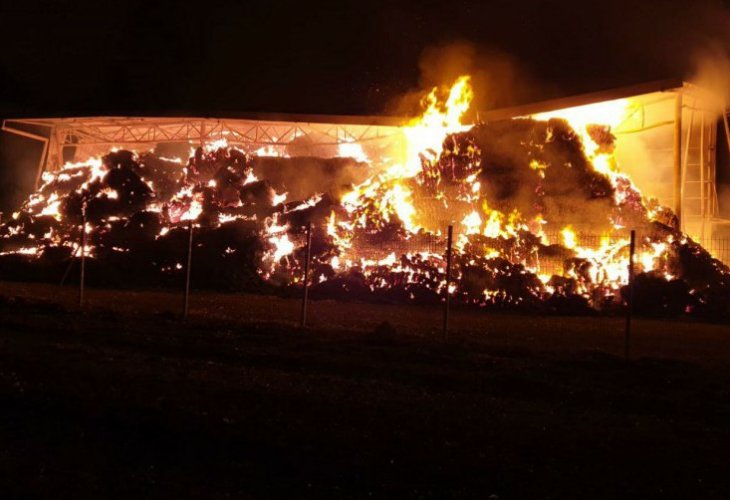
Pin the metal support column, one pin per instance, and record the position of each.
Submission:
(677, 178)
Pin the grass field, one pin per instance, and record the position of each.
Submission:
(123, 399)
(680, 339)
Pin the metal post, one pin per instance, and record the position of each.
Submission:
(703, 191)
(677, 182)
(82, 276)
(685, 153)
(712, 168)
(630, 294)
(305, 296)
(448, 281)
(727, 129)
(187, 270)
(42, 164)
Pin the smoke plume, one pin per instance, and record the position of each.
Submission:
(498, 79)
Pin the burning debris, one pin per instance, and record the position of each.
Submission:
(524, 197)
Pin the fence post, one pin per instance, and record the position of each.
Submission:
(630, 298)
(186, 303)
(305, 296)
(82, 275)
(448, 281)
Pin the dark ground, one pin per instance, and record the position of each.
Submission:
(112, 403)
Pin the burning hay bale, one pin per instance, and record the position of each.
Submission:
(539, 225)
(302, 176)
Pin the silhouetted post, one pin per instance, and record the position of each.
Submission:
(448, 280)
(186, 304)
(82, 276)
(69, 266)
(305, 297)
(630, 294)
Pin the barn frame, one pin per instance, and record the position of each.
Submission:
(682, 119)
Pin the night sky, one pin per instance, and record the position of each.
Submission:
(344, 58)
(216, 59)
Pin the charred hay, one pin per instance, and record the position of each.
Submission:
(138, 207)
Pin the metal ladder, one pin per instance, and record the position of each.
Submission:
(699, 193)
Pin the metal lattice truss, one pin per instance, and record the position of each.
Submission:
(97, 134)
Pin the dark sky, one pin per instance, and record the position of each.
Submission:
(211, 57)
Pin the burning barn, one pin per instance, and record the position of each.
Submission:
(541, 199)
(669, 135)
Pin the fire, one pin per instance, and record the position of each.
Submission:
(593, 123)
(512, 247)
(271, 150)
(569, 237)
(193, 211)
(397, 200)
(283, 246)
(610, 114)
(279, 198)
(278, 238)
(52, 205)
(425, 135)
(351, 149)
(472, 223)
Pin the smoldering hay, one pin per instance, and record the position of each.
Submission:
(537, 226)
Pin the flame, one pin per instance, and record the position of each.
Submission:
(221, 143)
(425, 135)
(52, 205)
(398, 200)
(193, 211)
(609, 113)
(386, 208)
(570, 239)
(279, 198)
(278, 238)
(271, 150)
(472, 223)
(250, 177)
(351, 149)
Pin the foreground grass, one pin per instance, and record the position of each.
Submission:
(678, 339)
(127, 400)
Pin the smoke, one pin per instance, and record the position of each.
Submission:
(332, 176)
(498, 79)
(712, 73)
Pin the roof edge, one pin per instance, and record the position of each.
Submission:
(581, 99)
(375, 120)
